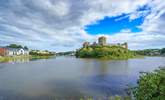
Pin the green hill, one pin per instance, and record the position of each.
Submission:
(105, 52)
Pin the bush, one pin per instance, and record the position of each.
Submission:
(151, 86)
(107, 52)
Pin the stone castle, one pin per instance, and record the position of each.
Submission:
(103, 42)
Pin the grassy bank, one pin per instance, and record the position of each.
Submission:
(29, 57)
(11, 58)
(40, 57)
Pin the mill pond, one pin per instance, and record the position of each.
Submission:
(67, 77)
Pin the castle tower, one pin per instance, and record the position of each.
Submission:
(86, 44)
(102, 40)
(94, 44)
(126, 45)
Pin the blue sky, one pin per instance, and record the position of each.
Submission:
(115, 24)
(63, 25)
(111, 25)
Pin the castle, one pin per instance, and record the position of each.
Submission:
(102, 41)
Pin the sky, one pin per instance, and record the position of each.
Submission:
(63, 25)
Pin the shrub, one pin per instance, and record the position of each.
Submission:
(151, 86)
(107, 52)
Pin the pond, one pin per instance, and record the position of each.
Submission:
(69, 77)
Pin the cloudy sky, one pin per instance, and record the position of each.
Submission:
(63, 25)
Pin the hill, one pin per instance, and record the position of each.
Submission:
(105, 52)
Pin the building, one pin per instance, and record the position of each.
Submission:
(86, 44)
(94, 44)
(125, 45)
(17, 52)
(5, 51)
(102, 40)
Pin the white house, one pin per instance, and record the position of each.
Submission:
(16, 52)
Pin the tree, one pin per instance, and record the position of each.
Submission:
(14, 46)
(151, 85)
(163, 51)
(25, 47)
(17, 46)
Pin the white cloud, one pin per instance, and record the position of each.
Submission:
(59, 24)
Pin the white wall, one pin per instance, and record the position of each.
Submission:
(17, 52)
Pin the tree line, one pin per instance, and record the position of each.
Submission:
(151, 52)
(17, 46)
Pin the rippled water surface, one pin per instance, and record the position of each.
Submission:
(70, 77)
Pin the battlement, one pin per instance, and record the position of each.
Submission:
(102, 41)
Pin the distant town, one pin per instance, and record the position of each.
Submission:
(18, 50)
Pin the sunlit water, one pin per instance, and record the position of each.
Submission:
(68, 77)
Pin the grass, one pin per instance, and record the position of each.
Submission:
(31, 57)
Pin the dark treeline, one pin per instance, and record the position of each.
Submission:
(151, 52)
(68, 53)
(17, 46)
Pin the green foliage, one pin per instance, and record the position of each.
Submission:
(105, 52)
(163, 51)
(65, 53)
(41, 53)
(17, 46)
(151, 86)
(25, 47)
(151, 52)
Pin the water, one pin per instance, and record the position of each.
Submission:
(68, 77)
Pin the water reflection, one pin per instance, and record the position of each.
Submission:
(19, 60)
(70, 77)
(105, 77)
(23, 59)
(105, 67)
(15, 60)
